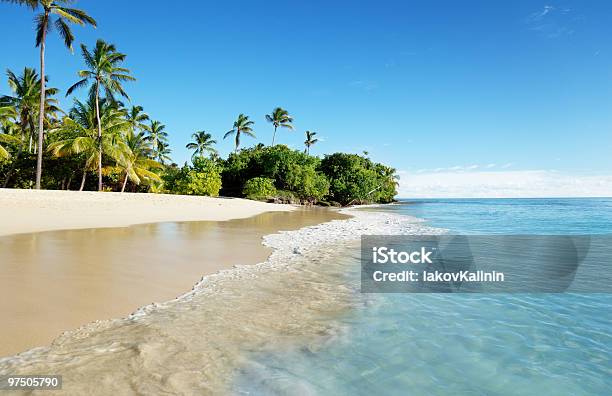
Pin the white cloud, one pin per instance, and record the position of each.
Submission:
(507, 184)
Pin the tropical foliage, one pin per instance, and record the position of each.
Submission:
(310, 140)
(259, 188)
(279, 118)
(130, 151)
(241, 125)
(202, 144)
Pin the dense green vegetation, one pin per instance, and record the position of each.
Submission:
(102, 144)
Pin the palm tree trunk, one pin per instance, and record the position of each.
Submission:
(99, 135)
(41, 114)
(273, 136)
(237, 141)
(83, 180)
(124, 182)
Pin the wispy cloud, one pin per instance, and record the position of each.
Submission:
(551, 22)
(482, 184)
(539, 15)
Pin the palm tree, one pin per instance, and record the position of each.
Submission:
(136, 118)
(24, 102)
(279, 118)
(53, 15)
(7, 126)
(202, 144)
(309, 141)
(241, 125)
(82, 126)
(163, 152)
(137, 162)
(158, 138)
(104, 72)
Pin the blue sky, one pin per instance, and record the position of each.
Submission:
(429, 87)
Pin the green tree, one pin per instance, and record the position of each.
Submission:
(241, 125)
(10, 139)
(26, 92)
(356, 179)
(204, 178)
(81, 129)
(163, 152)
(54, 15)
(105, 73)
(259, 188)
(136, 118)
(23, 103)
(309, 141)
(279, 118)
(158, 138)
(136, 162)
(202, 143)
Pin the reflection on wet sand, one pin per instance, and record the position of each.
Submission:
(56, 281)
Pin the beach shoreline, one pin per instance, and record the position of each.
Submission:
(58, 280)
(27, 211)
(282, 296)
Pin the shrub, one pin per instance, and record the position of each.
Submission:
(290, 170)
(259, 188)
(203, 178)
(355, 179)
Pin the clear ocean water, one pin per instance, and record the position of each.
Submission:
(440, 344)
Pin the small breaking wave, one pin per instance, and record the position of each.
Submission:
(194, 342)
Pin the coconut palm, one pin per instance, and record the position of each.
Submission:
(82, 127)
(10, 139)
(202, 144)
(279, 118)
(103, 73)
(54, 15)
(136, 118)
(241, 125)
(26, 93)
(136, 163)
(309, 141)
(158, 138)
(163, 153)
(24, 103)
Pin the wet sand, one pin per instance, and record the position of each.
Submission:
(59, 280)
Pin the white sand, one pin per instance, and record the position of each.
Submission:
(43, 210)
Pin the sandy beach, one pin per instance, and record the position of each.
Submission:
(45, 210)
(92, 265)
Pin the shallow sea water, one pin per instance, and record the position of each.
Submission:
(458, 344)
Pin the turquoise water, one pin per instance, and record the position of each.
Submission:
(440, 344)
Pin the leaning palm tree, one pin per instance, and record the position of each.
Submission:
(104, 73)
(157, 137)
(241, 125)
(136, 162)
(279, 118)
(202, 144)
(54, 15)
(82, 127)
(309, 141)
